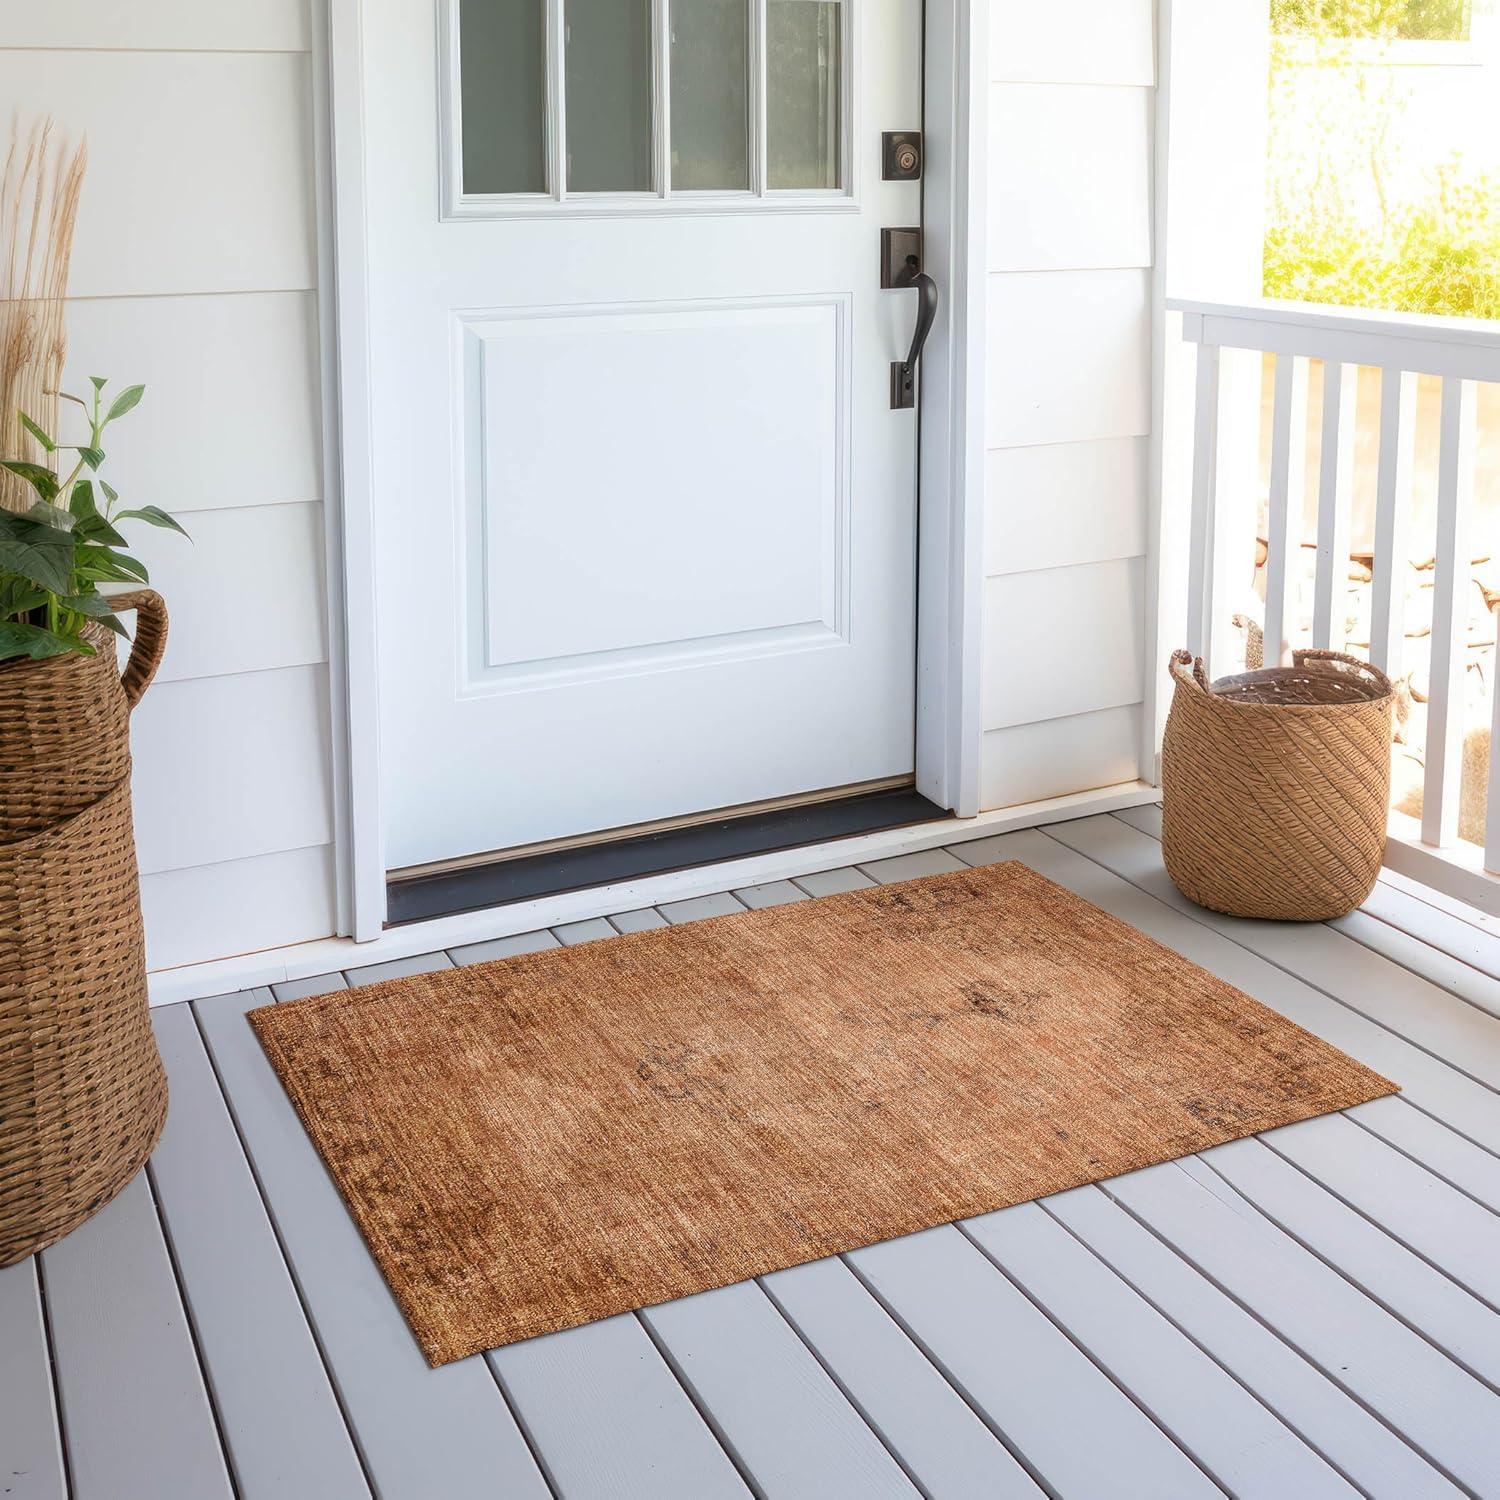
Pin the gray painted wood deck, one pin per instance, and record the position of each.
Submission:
(1314, 1312)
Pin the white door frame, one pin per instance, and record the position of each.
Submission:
(950, 568)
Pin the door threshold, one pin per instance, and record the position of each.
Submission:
(557, 871)
(217, 976)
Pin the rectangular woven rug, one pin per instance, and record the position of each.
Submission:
(535, 1143)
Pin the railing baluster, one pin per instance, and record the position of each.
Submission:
(1284, 522)
(1335, 503)
(1492, 810)
(1450, 616)
(1201, 570)
(1398, 425)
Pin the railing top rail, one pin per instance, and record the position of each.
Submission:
(1484, 332)
(1465, 347)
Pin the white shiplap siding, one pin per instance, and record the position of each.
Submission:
(1068, 379)
(195, 271)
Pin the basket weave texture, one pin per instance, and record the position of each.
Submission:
(83, 1095)
(1276, 786)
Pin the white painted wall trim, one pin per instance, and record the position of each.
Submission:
(950, 551)
(1160, 621)
(333, 516)
(328, 954)
(951, 519)
(360, 856)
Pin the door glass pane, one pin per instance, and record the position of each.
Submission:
(502, 58)
(803, 84)
(710, 94)
(608, 101)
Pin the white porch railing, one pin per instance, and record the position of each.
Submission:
(1237, 505)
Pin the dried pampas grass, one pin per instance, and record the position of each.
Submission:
(38, 211)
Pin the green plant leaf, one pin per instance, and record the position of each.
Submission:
(19, 639)
(18, 597)
(93, 457)
(110, 492)
(127, 400)
(36, 431)
(92, 604)
(155, 516)
(92, 526)
(101, 564)
(50, 515)
(43, 481)
(98, 382)
(39, 553)
(96, 607)
(96, 529)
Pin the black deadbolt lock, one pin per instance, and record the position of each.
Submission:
(901, 151)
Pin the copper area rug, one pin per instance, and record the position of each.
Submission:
(538, 1142)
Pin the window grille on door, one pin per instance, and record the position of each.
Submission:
(606, 106)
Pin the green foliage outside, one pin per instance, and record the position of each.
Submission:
(1414, 20)
(1339, 228)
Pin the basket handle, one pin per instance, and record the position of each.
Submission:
(150, 640)
(1177, 665)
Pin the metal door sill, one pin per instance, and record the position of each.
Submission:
(502, 881)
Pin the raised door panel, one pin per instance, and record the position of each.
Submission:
(656, 484)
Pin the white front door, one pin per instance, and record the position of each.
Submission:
(645, 518)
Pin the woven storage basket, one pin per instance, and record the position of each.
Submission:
(1276, 786)
(83, 1095)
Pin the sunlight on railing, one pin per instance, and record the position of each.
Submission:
(1345, 493)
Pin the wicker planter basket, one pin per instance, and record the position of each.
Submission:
(1276, 786)
(82, 1092)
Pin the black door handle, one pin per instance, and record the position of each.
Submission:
(904, 372)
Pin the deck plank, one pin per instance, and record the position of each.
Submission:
(1445, 1413)
(572, 933)
(1388, 994)
(422, 1432)
(506, 947)
(1033, 1384)
(1442, 1226)
(610, 1419)
(31, 1462)
(1473, 946)
(314, 984)
(1421, 1296)
(1470, 984)
(1460, 956)
(1445, 1153)
(833, 882)
(773, 1405)
(643, 919)
(135, 1413)
(776, 893)
(1471, 943)
(277, 1410)
(900, 1393)
(696, 908)
(1326, 1417)
(911, 866)
(1439, 1089)
(1247, 1449)
(402, 968)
